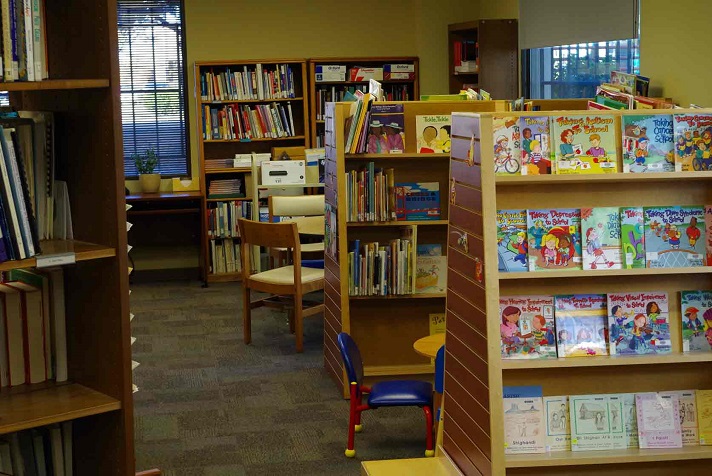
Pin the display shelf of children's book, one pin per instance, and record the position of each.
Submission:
(397, 156)
(608, 361)
(629, 455)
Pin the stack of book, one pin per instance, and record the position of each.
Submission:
(218, 164)
(233, 122)
(225, 256)
(223, 216)
(259, 83)
(225, 188)
(381, 269)
(42, 451)
(24, 40)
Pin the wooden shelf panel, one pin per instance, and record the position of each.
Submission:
(233, 199)
(605, 361)
(248, 101)
(234, 170)
(388, 370)
(83, 251)
(403, 156)
(54, 84)
(604, 272)
(246, 141)
(224, 277)
(508, 180)
(400, 296)
(396, 223)
(33, 406)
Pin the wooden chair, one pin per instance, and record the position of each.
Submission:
(291, 280)
(302, 206)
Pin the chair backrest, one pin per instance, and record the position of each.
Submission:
(271, 235)
(352, 358)
(440, 370)
(300, 205)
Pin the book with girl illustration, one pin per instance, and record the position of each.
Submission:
(554, 239)
(581, 325)
(527, 328)
(693, 141)
(638, 323)
(386, 134)
(536, 145)
(590, 423)
(507, 145)
(601, 233)
(432, 134)
(674, 236)
(584, 144)
(696, 310)
(647, 143)
(512, 245)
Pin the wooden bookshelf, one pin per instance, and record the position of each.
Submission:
(54, 84)
(412, 87)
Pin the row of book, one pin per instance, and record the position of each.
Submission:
(252, 83)
(223, 216)
(45, 451)
(233, 122)
(604, 238)
(382, 269)
(334, 73)
(225, 188)
(672, 419)
(24, 40)
(225, 256)
(33, 335)
(465, 56)
(339, 93)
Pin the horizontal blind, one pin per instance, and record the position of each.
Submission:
(153, 83)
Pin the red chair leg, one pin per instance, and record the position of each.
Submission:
(358, 427)
(428, 431)
(354, 414)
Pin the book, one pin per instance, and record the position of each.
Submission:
(638, 323)
(558, 427)
(633, 237)
(527, 329)
(584, 144)
(630, 420)
(581, 325)
(512, 243)
(693, 141)
(647, 143)
(507, 145)
(11, 318)
(386, 133)
(554, 239)
(665, 246)
(601, 233)
(429, 249)
(522, 391)
(524, 425)
(536, 145)
(417, 201)
(708, 234)
(590, 423)
(431, 274)
(33, 332)
(658, 420)
(432, 134)
(696, 310)
(688, 416)
(703, 401)
(436, 323)
(616, 412)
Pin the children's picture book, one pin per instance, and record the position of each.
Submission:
(527, 328)
(647, 143)
(522, 391)
(536, 145)
(696, 310)
(590, 423)
(433, 134)
(431, 274)
(693, 141)
(708, 234)
(703, 399)
(558, 428)
(386, 133)
(638, 323)
(633, 237)
(434, 249)
(688, 416)
(554, 239)
(417, 201)
(630, 420)
(673, 236)
(584, 144)
(524, 425)
(581, 325)
(436, 323)
(616, 413)
(512, 245)
(658, 420)
(601, 233)
(507, 145)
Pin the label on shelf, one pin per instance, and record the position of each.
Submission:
(56, 260)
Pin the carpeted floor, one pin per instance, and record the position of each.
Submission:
(209, 405)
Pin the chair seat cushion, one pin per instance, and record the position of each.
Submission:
(396, 393)
(285, 275)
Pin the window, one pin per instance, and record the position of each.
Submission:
(574, 71)
(153, 79)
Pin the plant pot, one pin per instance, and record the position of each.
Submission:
(150, 183)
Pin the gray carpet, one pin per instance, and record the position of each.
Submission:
(209, 405)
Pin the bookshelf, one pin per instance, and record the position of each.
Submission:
(83, 94)
(321, 92)
(226, 146)
(497, 57)
(475, 372)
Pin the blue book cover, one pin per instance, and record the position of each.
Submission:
(418, 201)
(6, 236)
(674, 236)
(512, 245)
(522, 391)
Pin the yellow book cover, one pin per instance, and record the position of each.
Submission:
(704, 416)
(437, 323)
(584, 144)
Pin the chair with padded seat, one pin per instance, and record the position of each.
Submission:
(392, 393)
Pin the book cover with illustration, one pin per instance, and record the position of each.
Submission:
(638, 323)
(696, 310)
(658, 420)
(433, 134)
(673, 236)
(601, 233)
(554, 239)
(584, 144)
(630, 420)
(386, 132)
(633, 237)
(693, 141)
(507, 145)
(703, 399)
(536, 145)
(558, 427)
(436, 323)
(512, 244)
(647, 143)
(581, 325)
(431, 274)
(708, 234)
(524, 425)
(434, 249)
(417, 201)
(527, 329)
(688, 416)
(590, 423)
(616, 413)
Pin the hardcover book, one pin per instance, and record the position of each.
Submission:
(527, 327)
(417, 201)
(658, 420)
(630, 420)
(512, 245)
(647, 143)
(386, 133)
(536, 145)
(584, 144)
(433, 134)
(688, 416)
(601, 233)
(554, 239)
(616, 413)
(703, 399)
(581, 325)
(507, 145)
(524, 425)
(590, 423)
(696, 310)
(431, 274)
(693, 141)
(558, 428)
(673, 236)
(638, 323)
(633, 237)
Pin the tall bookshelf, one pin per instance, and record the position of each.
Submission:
(212, 148)
(494, 42)
(474, 370)
(384, 327)
(321, 92)
(83, 94)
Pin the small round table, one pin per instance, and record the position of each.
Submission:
(429, 346)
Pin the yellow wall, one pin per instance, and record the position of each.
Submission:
(493, 9)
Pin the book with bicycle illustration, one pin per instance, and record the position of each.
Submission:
(584, 144)
(674, 236)
(507, 145)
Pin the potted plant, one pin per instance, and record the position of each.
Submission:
(145, 164)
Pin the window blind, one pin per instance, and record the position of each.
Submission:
(153, 102)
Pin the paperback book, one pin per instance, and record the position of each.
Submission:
(512, 245)
(633, 237)
(647, 143)
(524, 425)
(507, 145)
(386, 133)
(590, 423)
(708, 234)
(665, 245)
(696, 309)
(558, 427)
(433, 134)
(581, 325)
(527, 327)
(688, 416)
(584, 144)
(630, 420)
(615, 411)
(703, 399)
(693, 141)
(601, 233)
(638, 323)
(417, 201)
(431, 274)
(658, 420)
(554, 239)
(536, 145)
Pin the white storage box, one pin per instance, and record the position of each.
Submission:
(283, 172)
(330, 72)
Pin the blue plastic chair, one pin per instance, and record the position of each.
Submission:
(439, 378)
(393, 393)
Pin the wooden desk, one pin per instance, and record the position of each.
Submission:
(309, 225)
(429, 346)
